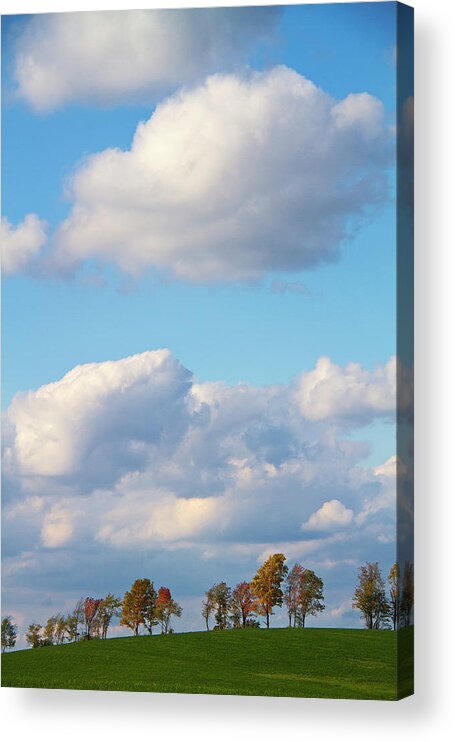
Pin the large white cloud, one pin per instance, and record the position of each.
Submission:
(21, 245)
(132, 465)
(109, 57)
(150, 452)
(239, 176)
(97, 414)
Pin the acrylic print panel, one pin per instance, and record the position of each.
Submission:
(208, 353)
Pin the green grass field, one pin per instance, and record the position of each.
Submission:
(330, 663)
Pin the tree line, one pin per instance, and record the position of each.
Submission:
(273, 584)
(241, 607)
(382, 609)
(141, 606)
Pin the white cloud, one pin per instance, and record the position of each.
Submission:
(21, 244)
(230, 180)
(127, 402)
(109, 57)
(133, 453)
(333, 514)
(153, 516)
(58, 526)
(349, 392)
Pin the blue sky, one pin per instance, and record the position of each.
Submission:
(264, 321)
(341, 49)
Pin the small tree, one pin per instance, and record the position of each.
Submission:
(71, 628)
(60, 629)
(370, 598)
(9, 633)
(311, 596)
(207, 608)
(49, 631)
(149, 608)
(407, 594)
(33, 635)
(395, 596)
(292, 592)
(220, 597)
(266, 585)
(166, 607)
(74, 622)
(243, 604)
(109, 608)
(91, 606)
(138, 607)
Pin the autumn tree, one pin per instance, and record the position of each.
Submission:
(109, 608)
(166, 607)
(310, 596)
(407, 594)
(9, 633)
(395, 594)
(292, 592)
(370, 598)
(243, 604)
(138, 607)
(91, 606)
(33, 635)
(266, 585)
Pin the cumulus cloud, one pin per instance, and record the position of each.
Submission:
(149, 455)
(333, 514)
(229, 180)
(58, 526)
(109, 57)
(128, 403)
(134, 459)
(350, 392)
(21, 244)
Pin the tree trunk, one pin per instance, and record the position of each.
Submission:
(267, 619)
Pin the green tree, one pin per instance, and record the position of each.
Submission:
(9, 633)
(109, 608)
(150, 607)
(49, 630)
(220, 597)
(370, 598)
(60, 629)
(395, 594)
(266, 585)
(310, 596)
(407, 594)
(33, 635)
(71, 628)
(207, 608)
(292, 593)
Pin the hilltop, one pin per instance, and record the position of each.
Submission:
(331, 663)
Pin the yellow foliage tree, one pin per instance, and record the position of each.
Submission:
(266, 585)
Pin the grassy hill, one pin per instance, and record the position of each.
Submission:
(335, 663)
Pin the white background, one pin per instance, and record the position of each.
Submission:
(74, 715)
